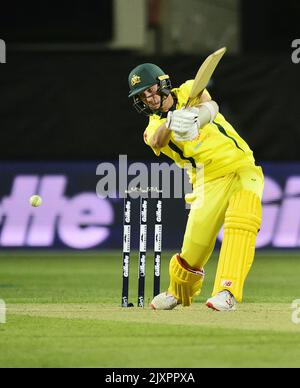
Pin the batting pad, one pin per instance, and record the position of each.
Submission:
(184, 284)
(242, 222)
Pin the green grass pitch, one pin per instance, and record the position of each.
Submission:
(63, 311)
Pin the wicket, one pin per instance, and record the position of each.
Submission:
(127, 231)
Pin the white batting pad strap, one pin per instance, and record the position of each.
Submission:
(213, 108)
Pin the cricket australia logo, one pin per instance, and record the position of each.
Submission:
(135, 80)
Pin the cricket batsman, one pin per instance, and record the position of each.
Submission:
(233, 188)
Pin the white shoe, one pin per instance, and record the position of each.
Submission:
(224, 301)
(164, 301)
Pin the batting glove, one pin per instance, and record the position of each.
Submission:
(184, 124)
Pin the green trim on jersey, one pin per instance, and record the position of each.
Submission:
(223, 130)
(179, 151)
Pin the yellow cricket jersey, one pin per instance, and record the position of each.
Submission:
(218, 148)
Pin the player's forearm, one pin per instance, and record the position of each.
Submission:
(207, 109)
(207, 112)
(161, 137)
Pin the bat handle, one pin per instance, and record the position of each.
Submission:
(194, 101)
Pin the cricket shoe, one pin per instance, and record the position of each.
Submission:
(164, 301)
(224, 301)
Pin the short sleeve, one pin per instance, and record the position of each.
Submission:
(154, 123)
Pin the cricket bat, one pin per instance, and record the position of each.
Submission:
(204, 75)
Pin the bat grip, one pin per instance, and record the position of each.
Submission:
(194, 101)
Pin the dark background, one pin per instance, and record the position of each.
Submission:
(73, 105)
(269, 26)
(56, 21)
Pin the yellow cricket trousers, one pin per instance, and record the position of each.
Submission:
(207, 218)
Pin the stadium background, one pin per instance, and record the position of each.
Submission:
(64, 109)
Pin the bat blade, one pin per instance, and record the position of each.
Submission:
(205, 73)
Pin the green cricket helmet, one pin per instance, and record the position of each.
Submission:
(144, 77)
